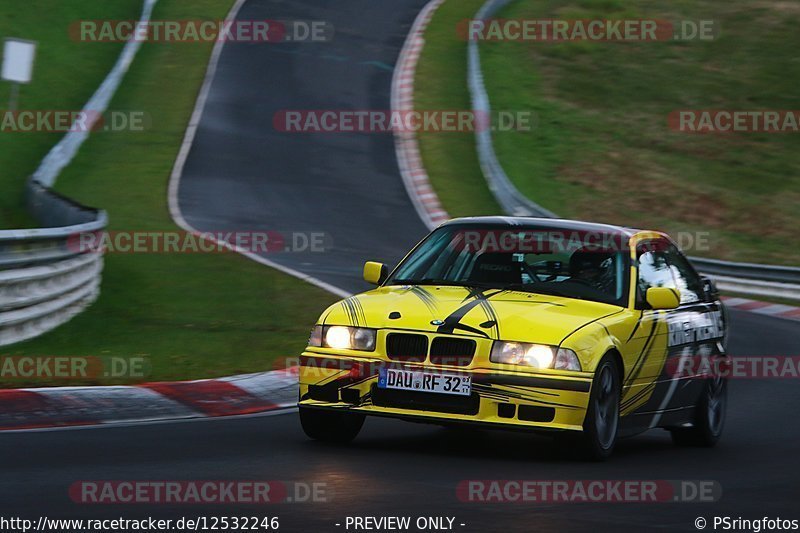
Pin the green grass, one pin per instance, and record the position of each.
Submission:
(602, 150)
(66, 74)
(192, 315)
(441, 84)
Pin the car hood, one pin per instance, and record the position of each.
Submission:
(489, 313)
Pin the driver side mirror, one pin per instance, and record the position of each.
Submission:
(710, 289)
(663, 298)
(375, 273)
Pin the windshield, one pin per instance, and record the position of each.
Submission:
(572, 264)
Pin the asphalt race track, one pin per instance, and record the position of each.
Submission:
(244, 175)
(241, 174)
(397, 468)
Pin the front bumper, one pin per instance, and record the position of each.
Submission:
(515, 400)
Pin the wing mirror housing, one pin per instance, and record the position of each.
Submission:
(663, 298)
(375, 273)
(710, 289)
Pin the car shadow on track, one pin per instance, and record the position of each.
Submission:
(380, 436)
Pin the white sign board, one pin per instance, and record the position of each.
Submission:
(18, 60)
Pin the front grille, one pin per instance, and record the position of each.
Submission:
(406, 347)
(452, 351)
(426, 401)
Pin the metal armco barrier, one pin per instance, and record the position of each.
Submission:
(745, 278)
(44, 278)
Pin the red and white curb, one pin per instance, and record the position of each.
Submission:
(415, 177)
(762, 308)
(88, 406)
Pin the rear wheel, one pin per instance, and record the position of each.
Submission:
(330, 426)
(601, 426)
(709, 418)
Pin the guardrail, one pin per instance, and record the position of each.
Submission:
(45, 279)
(745, 278)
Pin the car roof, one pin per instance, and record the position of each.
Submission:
(545, 223)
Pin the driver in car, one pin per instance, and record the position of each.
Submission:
(595, 269)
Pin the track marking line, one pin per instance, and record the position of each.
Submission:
(280, 410)
(183, 154)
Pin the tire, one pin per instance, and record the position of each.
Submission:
(601, 426)
(709, 418)
(330, 426)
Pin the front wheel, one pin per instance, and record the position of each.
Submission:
(330, 426)
(709, 418)
(601, 426)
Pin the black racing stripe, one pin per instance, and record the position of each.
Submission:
(636, 327)
(365, 400)
(426, 297)
(531, 400)
(647, 341)
(489, 390)
(537, 392)
(643, 393)
(455, 317)
(344, 306)
(534, 382)
(472, 292)
(360, 310)
(464, 327)
(353, 311)
(349, 311)
(636, 397)
(637, 367)
(333, 378)
(453, 321)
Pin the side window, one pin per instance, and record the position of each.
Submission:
(689, 283)
(654, 271)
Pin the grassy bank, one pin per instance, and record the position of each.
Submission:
(441, 83)
(193, 315)
(602, 149)
(66, 73)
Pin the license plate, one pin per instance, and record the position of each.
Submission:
(391, 378)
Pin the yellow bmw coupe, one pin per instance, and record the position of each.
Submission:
(587, 331)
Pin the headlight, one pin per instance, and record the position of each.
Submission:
(534, 356)
(520, 353)
(315, 339)
(566, 359)
(348, 338)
